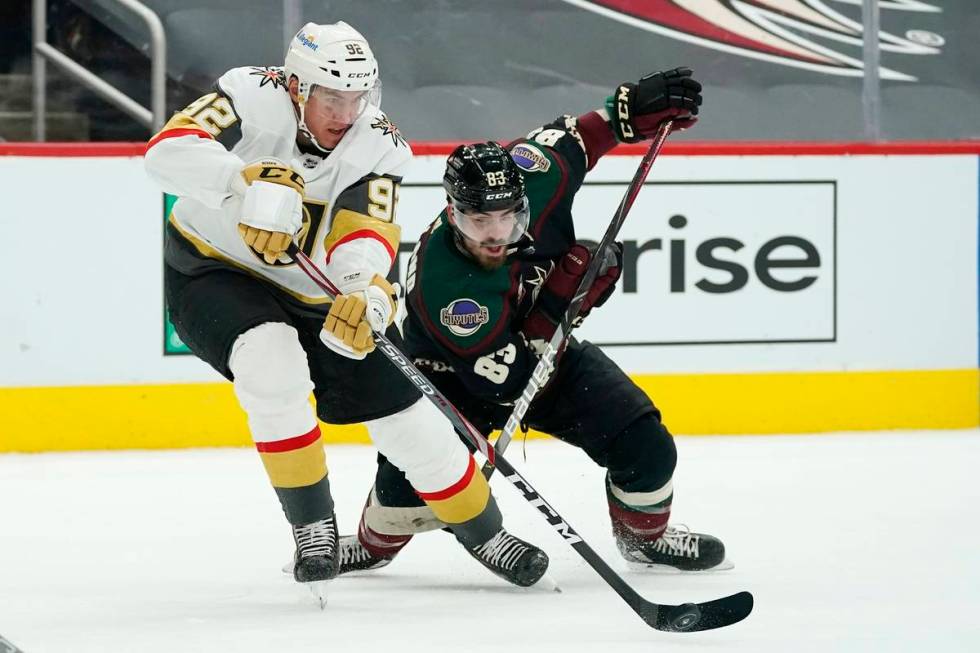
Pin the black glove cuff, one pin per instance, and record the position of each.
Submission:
(620, 107)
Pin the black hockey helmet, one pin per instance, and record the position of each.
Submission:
(483, 184)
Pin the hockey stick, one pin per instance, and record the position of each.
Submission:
(671, 618)
(6, 646)
(546, 364)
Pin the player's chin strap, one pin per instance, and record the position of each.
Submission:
(546, 363)
(671, 618)
(305, 131)
(522, 248)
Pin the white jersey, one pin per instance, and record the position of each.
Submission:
(349, 204)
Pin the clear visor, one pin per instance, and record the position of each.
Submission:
(492, 228)
(332, 105)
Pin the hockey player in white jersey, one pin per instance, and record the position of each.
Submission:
(305, 154)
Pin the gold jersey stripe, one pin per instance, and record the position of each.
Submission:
(466, 504)
(347, 222)
(182, 121)
(296, 468)
(204, 249)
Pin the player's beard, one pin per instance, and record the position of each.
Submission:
(487, 260)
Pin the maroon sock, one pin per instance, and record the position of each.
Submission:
(378, 544)
(629, 522)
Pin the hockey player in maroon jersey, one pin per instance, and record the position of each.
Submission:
(487, 285)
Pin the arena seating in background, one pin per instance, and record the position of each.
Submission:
(469, 69)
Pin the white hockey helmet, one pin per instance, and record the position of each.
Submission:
(337, 59)
(335, 56)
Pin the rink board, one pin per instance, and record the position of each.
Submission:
(207, 415)
(763, 292)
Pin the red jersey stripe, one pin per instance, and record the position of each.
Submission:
(174, 133)
(453, 489)
(290, 444)
(362, 233)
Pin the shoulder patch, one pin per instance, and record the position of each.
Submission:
(529, 158)
(267, 75)
(388, 128)
(464, 317)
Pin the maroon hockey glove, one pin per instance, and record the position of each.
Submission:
(637, 110)
(557, 292)
(605, 282)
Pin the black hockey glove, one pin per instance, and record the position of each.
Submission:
(637, 110)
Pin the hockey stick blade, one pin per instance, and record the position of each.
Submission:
(692, 617)
(668, 618)
(688, 617)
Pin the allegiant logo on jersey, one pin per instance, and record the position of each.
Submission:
(308, 41)
(464, 317)
(529, 158)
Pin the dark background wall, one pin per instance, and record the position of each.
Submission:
(468, 69)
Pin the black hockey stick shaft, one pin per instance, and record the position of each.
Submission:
(687, 617)
(545, 366)
(6, 646)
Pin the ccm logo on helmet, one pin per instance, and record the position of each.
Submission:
(498, 196)
(357, 75)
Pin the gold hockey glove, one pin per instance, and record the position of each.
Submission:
(272, 210)
(348, 329)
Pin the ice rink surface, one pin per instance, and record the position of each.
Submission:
(850, 542)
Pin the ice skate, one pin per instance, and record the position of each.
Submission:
(354, 557)
(513, 559)
(678, 549)
(316, 560)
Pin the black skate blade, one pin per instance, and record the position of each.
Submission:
(692, 617)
